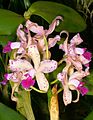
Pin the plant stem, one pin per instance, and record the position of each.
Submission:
(54, 107)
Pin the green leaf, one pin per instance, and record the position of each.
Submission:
(89, 83)
(5, 38)
(90, 116)
(73, 22)
(9, 22)
(24, 105)
(7, 113)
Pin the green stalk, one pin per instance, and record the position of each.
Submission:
(46, 43)
(40, 91)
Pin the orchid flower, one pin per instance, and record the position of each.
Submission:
(41, 34)
(72, 75)
(10, 46)
(75, 55)
(40, 39)
(74, 82)
(28, 71)
(45, 66)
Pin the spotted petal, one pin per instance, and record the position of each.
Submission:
(34, 54)
(67, 96)
(54, 23)
(47, 66)
(73, 82)
(42, 81)
(15, 45)
(76, 40)
(21, 34)
(77, 64)
(34, 27)
(84, 60)
(19, 65)
(52, 41)
(79, 51)
(78, 75)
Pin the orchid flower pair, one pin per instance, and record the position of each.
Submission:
(77, 67)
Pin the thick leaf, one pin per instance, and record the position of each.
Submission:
(9, 22)
(7, 113)
(73, 22)
(89, 83)
(90, 116)
(24, 105)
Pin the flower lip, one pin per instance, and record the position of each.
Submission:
(87, 55)
(4, 82)
(7, 48)
(26, 83)
(83, 90)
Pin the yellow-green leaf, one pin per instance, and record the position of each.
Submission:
(73, 22)
(9, 22)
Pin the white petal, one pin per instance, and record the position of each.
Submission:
(21, 34)
(9, 76)
(76, 40)
(15, 45)
(52, 41)
(74, 82)
(47, 66)
(32, 72)
(34, 27)
(42, 81)
(67, 96)
(77, 64)
(79, 51)
(19, 65)
(54, 23)
(64, 46)
(60, 76)
(34, 54)
(83, 60)
(77, 75)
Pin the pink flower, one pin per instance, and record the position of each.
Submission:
(7, 48)
(39, 30)
(83, 90)
(4, 82)
(72, 81)
(21, 67)
(87, 55)
(75, 55)
(10, 46)
(41, 34)
(26, 83)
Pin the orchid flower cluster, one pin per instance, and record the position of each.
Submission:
(31, 61)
